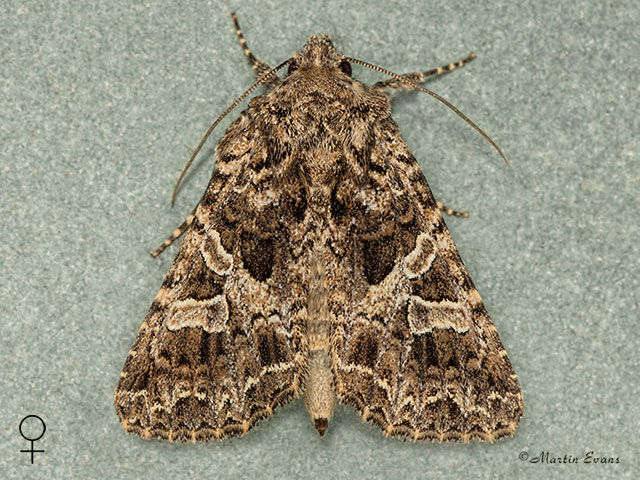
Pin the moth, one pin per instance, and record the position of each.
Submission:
(318, 264)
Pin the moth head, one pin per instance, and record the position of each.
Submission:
(319, 52)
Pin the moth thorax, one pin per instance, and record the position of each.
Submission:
(322, 166)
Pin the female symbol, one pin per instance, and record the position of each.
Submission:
(44, 428)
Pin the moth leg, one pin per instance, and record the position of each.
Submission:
(174, 235)
(258, 66)
(420, 77)
(450, 211)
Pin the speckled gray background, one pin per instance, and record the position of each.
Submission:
(101, 104)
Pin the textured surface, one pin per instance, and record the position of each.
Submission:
(318, 261)
(102, 106)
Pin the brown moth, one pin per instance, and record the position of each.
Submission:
(318, 263)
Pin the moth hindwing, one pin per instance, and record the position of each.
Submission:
(318, 263)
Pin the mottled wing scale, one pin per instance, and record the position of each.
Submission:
(414, 350)
(222, 344)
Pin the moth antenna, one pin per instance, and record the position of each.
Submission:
(259, 82)
(433, 94)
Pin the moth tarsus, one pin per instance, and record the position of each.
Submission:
(318, 263)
